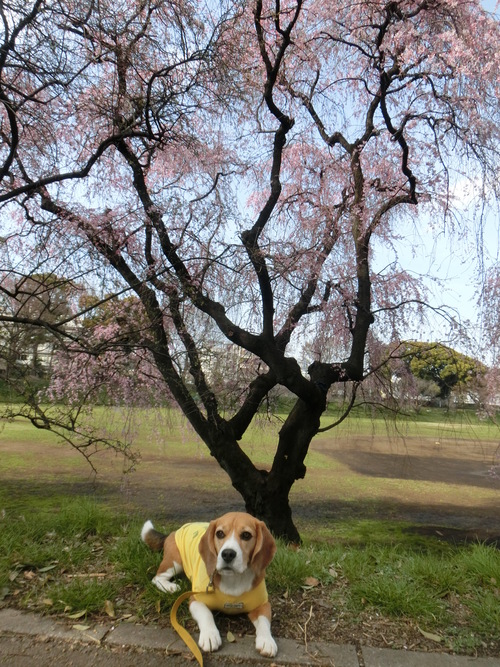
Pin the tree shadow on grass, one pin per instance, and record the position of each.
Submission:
(174, 506)
(419, 468)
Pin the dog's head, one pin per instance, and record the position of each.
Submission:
(235, 543)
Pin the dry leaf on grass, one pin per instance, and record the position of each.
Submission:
(430, 635)
(109, 608)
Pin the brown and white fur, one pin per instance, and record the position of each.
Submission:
(237, 548)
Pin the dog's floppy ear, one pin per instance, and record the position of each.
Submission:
(207, 548)
(265, 548)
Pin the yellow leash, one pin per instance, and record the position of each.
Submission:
(181, 631)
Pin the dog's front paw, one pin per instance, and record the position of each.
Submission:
(264, 642)
(165, 585)
(210, 640)
(266, 646)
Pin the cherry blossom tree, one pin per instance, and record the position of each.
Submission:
(234, 168)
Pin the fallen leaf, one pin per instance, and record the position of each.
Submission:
(311, 581)
(109, 608)
(29, 575)
(47, 568)
(78, 614)
(230, 637)
(431, 636)
(81, 628)
(48, 602)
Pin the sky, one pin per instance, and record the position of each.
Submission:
(459, 264)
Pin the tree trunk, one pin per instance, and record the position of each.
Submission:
(272, 505)
(266, 494)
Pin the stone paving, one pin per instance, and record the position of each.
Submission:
(122, 644)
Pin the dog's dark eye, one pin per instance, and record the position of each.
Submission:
(219, 534)
(245, 535)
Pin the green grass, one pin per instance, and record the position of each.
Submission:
(76, 558)
(451, 591)
(459, 424)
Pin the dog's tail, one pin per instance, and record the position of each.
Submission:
(153, 538)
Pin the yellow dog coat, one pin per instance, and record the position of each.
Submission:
(187, 538)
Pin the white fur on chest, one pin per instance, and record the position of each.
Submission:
(236, 584)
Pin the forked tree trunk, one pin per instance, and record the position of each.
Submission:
(266, 494)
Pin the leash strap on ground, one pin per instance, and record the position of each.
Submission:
(181, 631)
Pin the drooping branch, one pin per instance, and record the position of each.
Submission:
(158, 343)
(207, 396)
(399, 137)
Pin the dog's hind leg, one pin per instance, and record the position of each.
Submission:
(163, 580)
(169, 567)
(171, 563)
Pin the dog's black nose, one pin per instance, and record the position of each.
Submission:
(228, 555)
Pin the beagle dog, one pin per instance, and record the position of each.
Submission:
(225, 561)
